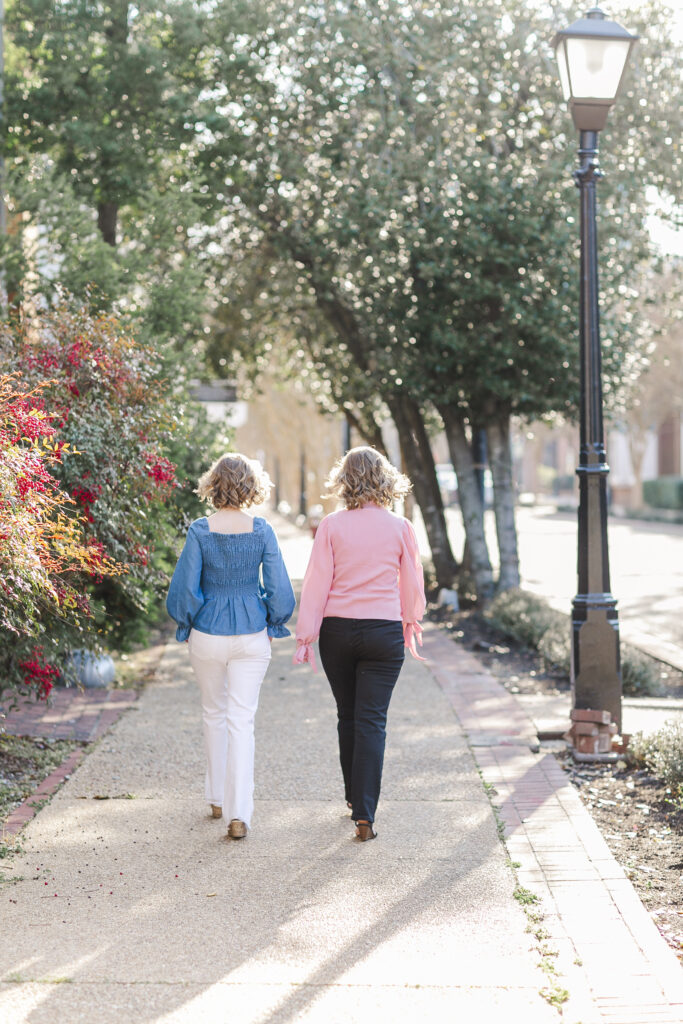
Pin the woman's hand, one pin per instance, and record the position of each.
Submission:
(305, 653)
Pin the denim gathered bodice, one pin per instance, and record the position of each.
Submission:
(227, 584)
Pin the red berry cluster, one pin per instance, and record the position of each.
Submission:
(38, 673)
(86, 497)
(24, 423)
(159, 469)
(34, 478)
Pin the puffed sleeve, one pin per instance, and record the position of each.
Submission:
(276, 589)
(314, 593)
(411, 589)
(185, 596)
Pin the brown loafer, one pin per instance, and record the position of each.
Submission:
(216, 811)
(237, 829)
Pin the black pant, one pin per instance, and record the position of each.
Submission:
(362, 659)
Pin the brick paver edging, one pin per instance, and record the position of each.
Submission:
(22, 814)
(82, 715)
(617, 966)
(71, 714)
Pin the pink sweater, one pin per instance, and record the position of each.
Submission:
(364, 565)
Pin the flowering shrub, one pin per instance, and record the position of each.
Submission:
(45, 556)
(84, 487)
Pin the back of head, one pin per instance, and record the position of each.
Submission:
(234, 481)
(365, 476)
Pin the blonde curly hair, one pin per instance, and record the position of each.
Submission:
(364, 475)
(234, 481)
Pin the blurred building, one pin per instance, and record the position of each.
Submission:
(296, 443)
(545, 460)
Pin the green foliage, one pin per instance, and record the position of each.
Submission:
(411, 169)
(401, 172)
(661, 752)
(107, 88)
(46, 556)
(101, 114)
(524, 617)
(525, 896)
(664, 492)
(531, 621)
(156, 276)
(114, 411)
(639, 673)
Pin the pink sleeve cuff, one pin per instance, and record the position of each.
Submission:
(412, 634)
(305, 653)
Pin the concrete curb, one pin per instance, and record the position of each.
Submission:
(610, 950)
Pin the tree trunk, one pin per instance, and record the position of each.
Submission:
(370, 432)
(419, 462)
(471, 505)
(500, 460)
(405, 412)
(107, 216)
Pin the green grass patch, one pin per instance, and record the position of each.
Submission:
(525, 896)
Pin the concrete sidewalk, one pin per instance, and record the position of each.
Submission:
(139, 909)
(123, 911)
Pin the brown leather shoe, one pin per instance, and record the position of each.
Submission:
(237, 829)
(216, 811)
(365, 831)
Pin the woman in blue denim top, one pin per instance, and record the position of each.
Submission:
(230, 595)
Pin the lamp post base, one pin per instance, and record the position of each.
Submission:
(595, 670)
(594, 758)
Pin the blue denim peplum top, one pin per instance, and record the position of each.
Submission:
(227, 584)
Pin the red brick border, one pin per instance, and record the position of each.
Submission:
(27, 810)
(83, 715)
(611, 954)
(71, 714)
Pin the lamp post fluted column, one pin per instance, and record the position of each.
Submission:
(596, 670)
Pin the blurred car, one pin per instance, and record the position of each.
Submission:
(448, 483)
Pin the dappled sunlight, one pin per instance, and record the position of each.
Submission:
(297, 906)
(325, 922)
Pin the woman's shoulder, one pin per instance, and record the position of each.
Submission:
(331, 517)
(396, 523)
(264, 527)
(399, 521)
(335, 520)
(197, 525)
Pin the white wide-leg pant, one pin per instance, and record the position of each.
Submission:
(229, 672)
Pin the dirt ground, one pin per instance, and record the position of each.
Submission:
(639, 817)
(642, 824)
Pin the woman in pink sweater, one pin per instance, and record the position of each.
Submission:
(363, 597)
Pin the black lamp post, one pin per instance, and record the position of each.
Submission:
(592, 55)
